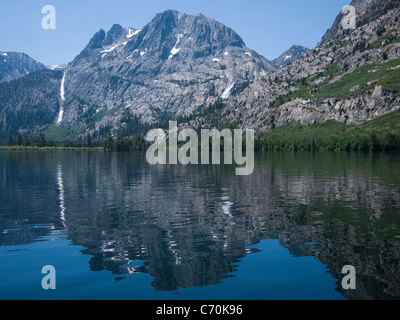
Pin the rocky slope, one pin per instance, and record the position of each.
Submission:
(14, 65)
(352, 76)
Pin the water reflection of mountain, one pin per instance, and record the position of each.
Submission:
(192, 224)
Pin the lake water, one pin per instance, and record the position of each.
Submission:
(115, 227)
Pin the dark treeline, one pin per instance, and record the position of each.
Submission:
(135, 143)
(380, 134)
(263, 142)
(39, 141)
(274, 141)
(371, 142)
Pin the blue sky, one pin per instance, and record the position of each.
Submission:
(267, 26)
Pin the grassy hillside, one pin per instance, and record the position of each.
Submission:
(386, 74)
(382, 133)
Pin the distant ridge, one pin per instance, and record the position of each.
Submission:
(14, 65)
(295, 52)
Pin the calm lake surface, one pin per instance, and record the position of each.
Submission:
(115, 227)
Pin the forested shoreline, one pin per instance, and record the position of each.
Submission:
(380, 134)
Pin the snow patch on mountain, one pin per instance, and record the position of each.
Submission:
(110, 49)
(227, 92)
(176, 50)
(132, 33)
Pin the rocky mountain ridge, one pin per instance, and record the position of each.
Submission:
(14, 65)
(177, 64)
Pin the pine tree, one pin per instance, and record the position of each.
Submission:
(88, 140)
(19, 139)
(10, 140)
(373, 142)
(42, 140)
(109, 142)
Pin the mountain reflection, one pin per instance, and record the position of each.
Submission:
(189, 226)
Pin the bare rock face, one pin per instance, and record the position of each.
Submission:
(367, 11)
(379, 92)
